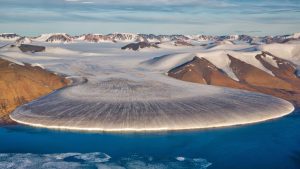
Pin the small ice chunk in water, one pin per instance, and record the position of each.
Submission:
(180, 158)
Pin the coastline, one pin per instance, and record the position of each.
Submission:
(132, 130)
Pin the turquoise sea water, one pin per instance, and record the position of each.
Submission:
(273, 144)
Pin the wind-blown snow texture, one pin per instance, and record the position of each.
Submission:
(116, 90)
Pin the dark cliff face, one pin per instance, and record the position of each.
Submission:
(97, 38)
(31, 48)
(20, 84)
(182, 43)
(284, 84)
(139, 45)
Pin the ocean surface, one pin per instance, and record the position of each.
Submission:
(272, 144)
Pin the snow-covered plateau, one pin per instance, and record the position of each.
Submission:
(129, 90)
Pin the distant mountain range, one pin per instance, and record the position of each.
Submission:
(150, 38)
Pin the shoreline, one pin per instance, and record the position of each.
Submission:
(132, 130)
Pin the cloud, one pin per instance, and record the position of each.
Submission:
(87, 2)
(212, 3)
(190, 15)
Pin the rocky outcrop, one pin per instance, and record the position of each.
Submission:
(182, 43)
(140, 45)
(123, 36)
(23, 40)
(283, 83)
(31, 48)
(21, 83)
(97, 38)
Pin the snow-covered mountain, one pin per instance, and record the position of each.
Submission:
(272, 69)
(131, 38)
(9, 37)
(95, 38)
(124, 37)
(54, 38)
(23, 40)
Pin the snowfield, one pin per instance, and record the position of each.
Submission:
(129, 91)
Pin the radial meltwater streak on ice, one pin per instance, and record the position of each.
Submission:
(128, 104)
(120, 93)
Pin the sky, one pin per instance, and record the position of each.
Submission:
(209, 17)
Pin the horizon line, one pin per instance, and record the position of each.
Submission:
(79, 34)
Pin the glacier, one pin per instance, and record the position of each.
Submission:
(115, 90)
(124, 104)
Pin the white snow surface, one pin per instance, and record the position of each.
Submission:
(169, 61)
(270, 59)
(37, 65)
(221, 60)
(296, 35)
(286, 51)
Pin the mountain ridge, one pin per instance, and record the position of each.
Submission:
(269, 74)
(21, 83)
(132, 37)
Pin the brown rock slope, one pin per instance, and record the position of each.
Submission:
(139, 45)
(284, 84)
(20, 84)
